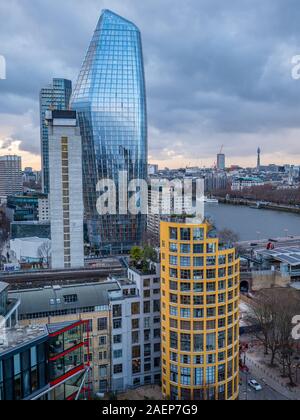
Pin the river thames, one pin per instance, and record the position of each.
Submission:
(254, 224)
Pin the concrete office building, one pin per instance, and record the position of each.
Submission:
(11, 181)
(66, 198)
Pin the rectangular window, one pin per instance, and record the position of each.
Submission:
(102, 340)
(173, 340)
(185, 342)
(198, 300)
(199, 377)
(185, 274)
(185, 300)
(210, 342)
(117, 339)
(198, 343)
(211, 248)
(173, 260)
(198, 249)
(135, 324)
(117, 311)
(185, 287)
(173, 234)
(173, 247)
(185, 248)
(185, 261)
(173, 285)
(173, 311)
(185, 376)
(117, 324)
(135, 336)
(136, 352)
(185, 313)
(102, 324)
(198, 234)
(198, 261)
(135, 308)
(185, 234)
(147, 307)
(118, 369)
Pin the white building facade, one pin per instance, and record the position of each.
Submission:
(44, 210)
(136, 333)
(66, 198)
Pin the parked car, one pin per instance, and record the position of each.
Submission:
(255, 385)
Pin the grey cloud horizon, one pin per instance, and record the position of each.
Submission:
(217, 73)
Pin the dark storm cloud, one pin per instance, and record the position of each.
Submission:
(216, 71)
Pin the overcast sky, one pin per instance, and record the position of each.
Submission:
(218, 73)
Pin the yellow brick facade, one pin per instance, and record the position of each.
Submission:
(200, 314)
(99, 345)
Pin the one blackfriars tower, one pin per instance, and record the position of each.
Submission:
(110, 100)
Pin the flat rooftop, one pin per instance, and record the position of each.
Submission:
(14, 338)
(286, 255)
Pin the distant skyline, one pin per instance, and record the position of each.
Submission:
(216, 72)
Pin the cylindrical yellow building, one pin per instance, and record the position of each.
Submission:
(200, 313)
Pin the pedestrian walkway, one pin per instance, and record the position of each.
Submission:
(269, 376)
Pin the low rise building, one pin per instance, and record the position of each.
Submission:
(30, 230)
(123, 344)
(282, 260)
(136, 334)
(43, 362)
(88, 302)
(239, 184)
(23, 208)
(31, 250)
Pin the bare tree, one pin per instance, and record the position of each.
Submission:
(44, 252)
(288, 307)
(267, 192)
(272, 312)
(228, 237)
(264, 314)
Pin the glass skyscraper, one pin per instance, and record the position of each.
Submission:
(55, 96)
(110, 100)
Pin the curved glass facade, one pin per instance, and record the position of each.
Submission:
(110, 99)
